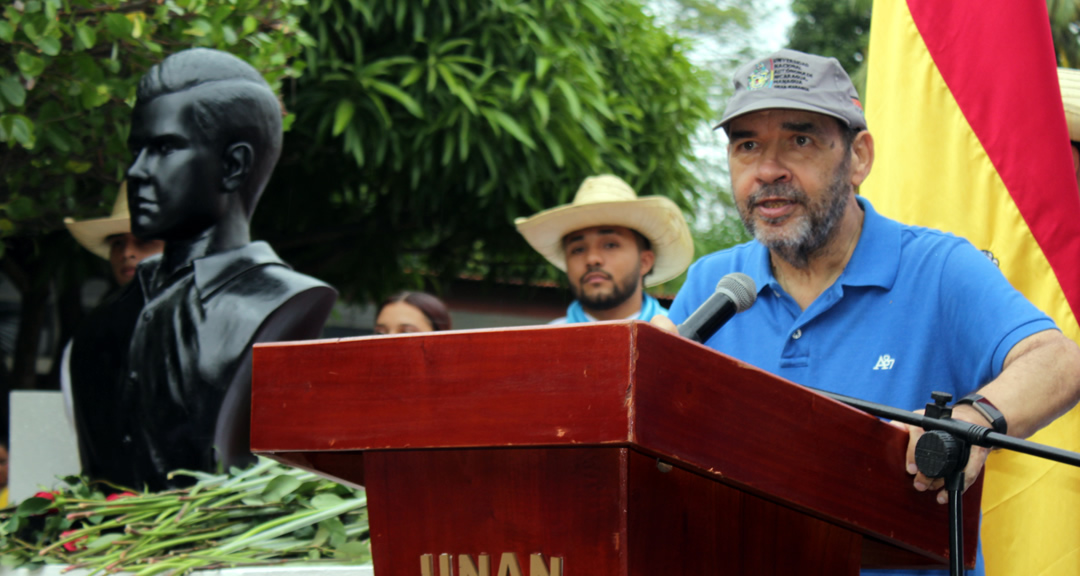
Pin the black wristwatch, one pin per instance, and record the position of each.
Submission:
(988, 411)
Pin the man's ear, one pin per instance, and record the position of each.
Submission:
(648, 258)
(862, 157)
(238, 160)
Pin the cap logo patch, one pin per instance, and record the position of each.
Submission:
(782, 74)
(761, 77)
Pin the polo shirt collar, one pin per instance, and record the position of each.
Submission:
(760, 267)
(875, 261)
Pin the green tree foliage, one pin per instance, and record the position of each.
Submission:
(424, 127)
(709, 17)
(724, 38)
(68, 71)
(840, 29)
(1065, 26)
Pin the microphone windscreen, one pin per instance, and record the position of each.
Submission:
(740, 288)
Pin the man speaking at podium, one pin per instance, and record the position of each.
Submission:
(852, 302)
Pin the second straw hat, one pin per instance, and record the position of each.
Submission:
(609, 201)
(93, 234)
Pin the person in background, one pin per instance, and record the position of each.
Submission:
(111, 238)
(1069, 81)
(612, 245)
(408, 312)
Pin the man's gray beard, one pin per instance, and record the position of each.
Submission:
(811, 232)
(620, 292)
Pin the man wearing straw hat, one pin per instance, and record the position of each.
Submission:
(611, 244)
(111, 238)
(1069, 80)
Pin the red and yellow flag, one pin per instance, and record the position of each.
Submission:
(963, 103)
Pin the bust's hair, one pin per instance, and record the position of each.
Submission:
(230, 102)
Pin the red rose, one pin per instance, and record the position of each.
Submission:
(51, 497)
(119, 495)
(74, 545)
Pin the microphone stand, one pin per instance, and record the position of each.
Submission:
(942, 452)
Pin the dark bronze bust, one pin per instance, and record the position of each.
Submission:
(161, 375)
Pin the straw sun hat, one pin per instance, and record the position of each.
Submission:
(608, 201)
(92, 234)
(1070, 96)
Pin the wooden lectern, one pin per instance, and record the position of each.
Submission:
(599, 449)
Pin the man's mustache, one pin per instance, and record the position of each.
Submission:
(785, 191)
(595, 271)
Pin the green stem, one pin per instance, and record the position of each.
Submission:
(289, 523)
(84, 532)
(173, 543)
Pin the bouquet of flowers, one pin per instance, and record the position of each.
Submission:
(265, 514)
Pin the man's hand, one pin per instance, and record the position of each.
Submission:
(976, 459)
(1039, 381)
(661, 321)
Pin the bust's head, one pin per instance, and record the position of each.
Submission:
(205, 135)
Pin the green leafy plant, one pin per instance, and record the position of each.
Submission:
(68, 71)
(424, 127)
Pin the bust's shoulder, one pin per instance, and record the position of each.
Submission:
(268, 303)
(273, 278)
(256, 275)
(284, 277)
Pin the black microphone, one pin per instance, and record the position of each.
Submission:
(734, 293)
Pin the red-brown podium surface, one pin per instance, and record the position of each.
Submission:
(616, 447)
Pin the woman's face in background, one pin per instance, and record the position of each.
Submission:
(402, 318)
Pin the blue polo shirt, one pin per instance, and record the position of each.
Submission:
(915, 310)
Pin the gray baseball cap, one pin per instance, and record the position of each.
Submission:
(795, 81)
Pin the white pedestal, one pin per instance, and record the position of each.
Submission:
(42, 443)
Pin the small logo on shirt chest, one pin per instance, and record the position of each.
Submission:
(884, 362)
